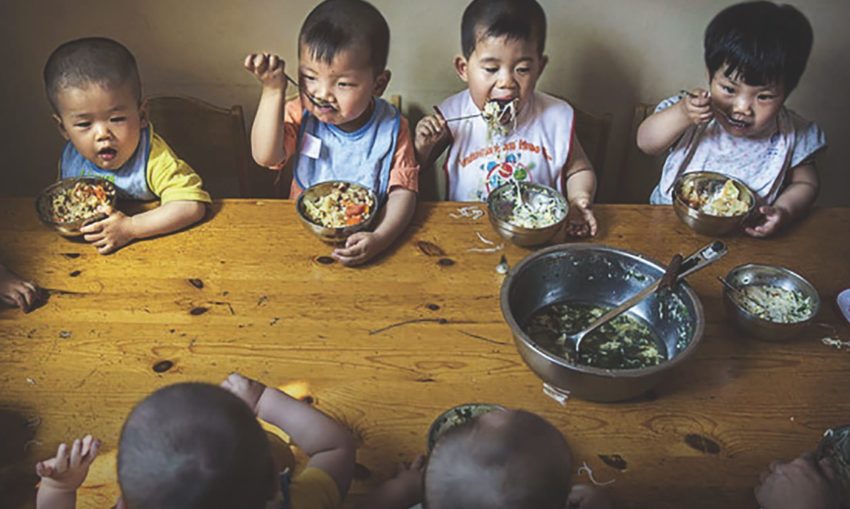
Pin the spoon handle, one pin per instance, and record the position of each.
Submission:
(675, 272)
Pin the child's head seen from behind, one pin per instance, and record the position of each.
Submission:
(755, 54)
(94, 88)
(503, 43)
(194, 446)
(343, 48)
(502, 459)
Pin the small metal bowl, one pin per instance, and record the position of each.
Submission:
(500, 205)
(835, 446)
(44, 204)
(333, 235)
(602, 275)
(456, 416)
(707, 224)
(753, 274)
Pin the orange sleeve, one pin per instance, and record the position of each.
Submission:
(404, 172)
(292, 115)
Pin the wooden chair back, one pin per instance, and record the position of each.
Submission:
(641, 171)
(592, 132)
(211, 139)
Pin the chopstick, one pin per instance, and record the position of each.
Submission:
(466, 117)
(454, 118)
(317, 102)
(289, 79)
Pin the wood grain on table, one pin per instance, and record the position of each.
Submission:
(386, 347)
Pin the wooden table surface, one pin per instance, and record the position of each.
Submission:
(385, 348)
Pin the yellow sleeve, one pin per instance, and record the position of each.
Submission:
(314, 489)
(171, 178)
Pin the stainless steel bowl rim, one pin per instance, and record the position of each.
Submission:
(341, 229)
(515, 271)
(713, 175)
(66, 182)
(433, 427)
(787, 272)
(491, 198)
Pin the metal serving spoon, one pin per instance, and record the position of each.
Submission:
(677, 270)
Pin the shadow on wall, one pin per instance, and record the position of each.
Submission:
(604, 83)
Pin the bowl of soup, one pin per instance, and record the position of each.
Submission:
(559, 290)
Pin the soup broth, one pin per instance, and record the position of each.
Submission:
(623, 343)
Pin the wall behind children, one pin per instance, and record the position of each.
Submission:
(605, 56)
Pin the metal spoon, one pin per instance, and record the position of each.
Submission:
(318, 103)
(677, 270)
(502, 111)
(740, 292)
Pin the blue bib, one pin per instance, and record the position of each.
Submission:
(131, 179)
(364, 156)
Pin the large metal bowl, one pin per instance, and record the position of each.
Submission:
(44, 204)
(707, 224)
(326, 234)
(499, 207)
(597, 274)
(753, 274)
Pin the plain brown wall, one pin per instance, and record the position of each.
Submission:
(605, 56)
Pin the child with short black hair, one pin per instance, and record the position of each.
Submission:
(755, 54)
(504, 459)
(501, 129)
(802, 483)
(94, 88)
(198, 446)
(340, 129)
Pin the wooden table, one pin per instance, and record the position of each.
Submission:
(387, 347)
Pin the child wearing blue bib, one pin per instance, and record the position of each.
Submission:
(94, 88)
(340, 129)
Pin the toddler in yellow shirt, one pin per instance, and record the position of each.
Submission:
(94, 88)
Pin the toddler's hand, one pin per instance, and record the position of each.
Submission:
(248, 390)
(409, 477)
(14, 291)
(110, 234)
(359, 248)
(68, 470)
(580, 219)
(267, 68)
(774, 219)
(698, 109)
(800, 484)
(583, 496)
(429, 131)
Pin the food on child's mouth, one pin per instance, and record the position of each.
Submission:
(774, 304)
(84, 201)
(724, 202)
(345, 205)
(500, 116)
